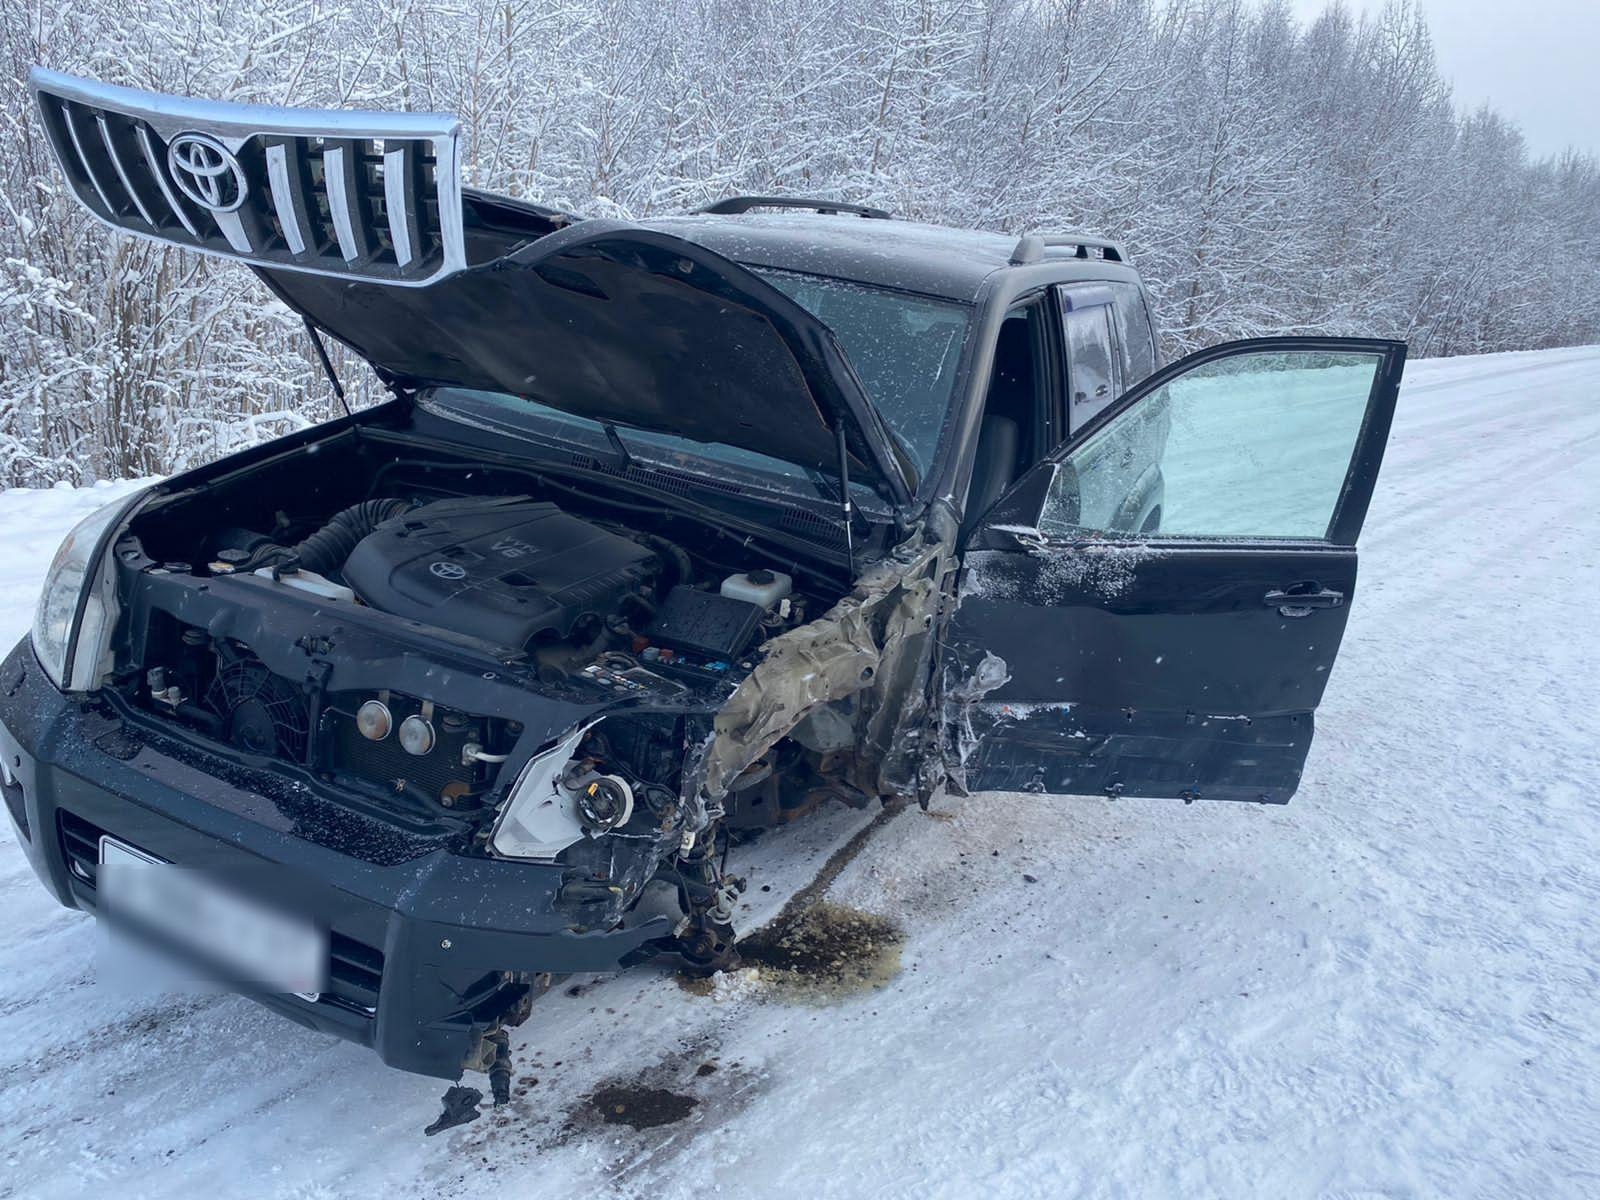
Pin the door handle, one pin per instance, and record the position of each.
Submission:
(1299, 599)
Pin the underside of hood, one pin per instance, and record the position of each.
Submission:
(622, 324)
(359, 221)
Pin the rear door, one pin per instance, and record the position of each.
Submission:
(1167, 592)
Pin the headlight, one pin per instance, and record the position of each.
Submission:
(541, 818)
(78, 607)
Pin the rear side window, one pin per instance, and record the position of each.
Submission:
(1094, 377)
(1133, 330)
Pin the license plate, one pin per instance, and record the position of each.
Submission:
(246, 939)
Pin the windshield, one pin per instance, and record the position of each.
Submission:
(904, 349)
(502, 412)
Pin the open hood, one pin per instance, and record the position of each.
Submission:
(617, 323)
(359, 221)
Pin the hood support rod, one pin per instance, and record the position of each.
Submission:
(844, 491)
(327, 366)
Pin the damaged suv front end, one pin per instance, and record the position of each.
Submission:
(472, 684)
(488, 741)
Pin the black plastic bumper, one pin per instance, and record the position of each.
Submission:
(422, 944)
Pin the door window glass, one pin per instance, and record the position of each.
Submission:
(1256, 444)
(1092, 376)
(1133, 327)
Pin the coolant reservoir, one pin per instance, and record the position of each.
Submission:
(765, 588)
(310, 581)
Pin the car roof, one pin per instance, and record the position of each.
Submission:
(933, 259)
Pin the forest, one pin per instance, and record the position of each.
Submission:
(1269, 175)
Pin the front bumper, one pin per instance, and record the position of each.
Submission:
(426, 943)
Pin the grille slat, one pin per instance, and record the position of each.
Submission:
(233, 229)
(80, 842)
(339, 164)
(108, 139)
(286, 203)
(399, 200)
(86, 165)
(355, 971)
(152, 160)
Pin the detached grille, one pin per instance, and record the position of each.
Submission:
(370, 195)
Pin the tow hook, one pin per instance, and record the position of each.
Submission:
(460, 1106)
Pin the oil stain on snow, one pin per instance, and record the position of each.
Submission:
(825, 952)
(689, 1085)
(639, 1106)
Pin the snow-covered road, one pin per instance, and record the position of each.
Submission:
(1389, 988)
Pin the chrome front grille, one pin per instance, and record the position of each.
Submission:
(365, 195)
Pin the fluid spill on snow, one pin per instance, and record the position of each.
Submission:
(640, 1107)
(825, 952)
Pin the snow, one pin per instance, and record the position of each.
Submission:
(1387, 988)
(32, 523)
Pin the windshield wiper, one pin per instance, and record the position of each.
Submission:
(624, 459)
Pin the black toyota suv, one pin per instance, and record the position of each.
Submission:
(670, 529)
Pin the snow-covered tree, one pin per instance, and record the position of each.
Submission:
(1268, 175)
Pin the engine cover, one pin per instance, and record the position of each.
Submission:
(506, 570)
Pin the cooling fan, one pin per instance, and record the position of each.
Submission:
(263, 713)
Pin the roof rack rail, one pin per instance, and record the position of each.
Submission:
(1031, 247)
(734, 205)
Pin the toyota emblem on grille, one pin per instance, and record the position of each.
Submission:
(207, 172)
(448, 570)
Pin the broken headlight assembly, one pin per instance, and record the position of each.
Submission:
(78, 606)
(559, 800)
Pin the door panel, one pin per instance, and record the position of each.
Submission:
(1150, 672)
(1169, 598)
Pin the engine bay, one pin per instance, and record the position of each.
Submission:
(523, 575)
(413, 632)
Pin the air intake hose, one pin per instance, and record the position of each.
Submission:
(326, 550)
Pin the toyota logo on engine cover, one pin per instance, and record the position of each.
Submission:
(207, 172)
(448, 570)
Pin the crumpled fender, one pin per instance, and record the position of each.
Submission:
(876, 643)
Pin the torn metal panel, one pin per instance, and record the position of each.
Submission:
(959, 735)
(876, 645)
(897, 738)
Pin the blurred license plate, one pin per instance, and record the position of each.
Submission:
(246, 939)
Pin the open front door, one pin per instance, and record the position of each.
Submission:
(1168, 592)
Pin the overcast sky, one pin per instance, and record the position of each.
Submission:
(1536, 61)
